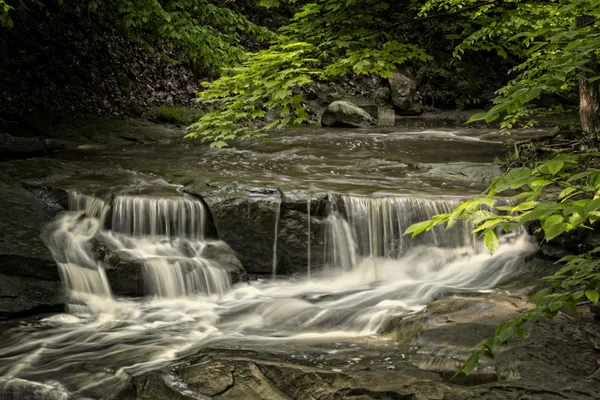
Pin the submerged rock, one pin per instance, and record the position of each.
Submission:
(346, 114)
(531, 369)
(386, 116)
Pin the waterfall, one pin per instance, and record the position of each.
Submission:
(370, 227)
(149, 216)
(275, 235)
(340, 245)
(92, 206)
(68, 239)
(308, 236)
(164, 237)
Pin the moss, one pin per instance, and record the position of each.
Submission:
(178, 115)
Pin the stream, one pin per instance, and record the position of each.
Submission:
(156, 272)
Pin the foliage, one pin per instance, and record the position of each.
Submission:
(267, 80)
(325, 39)
(177, 114)
(560, 198)
(5, 19)
(204, 30)
(543, 34)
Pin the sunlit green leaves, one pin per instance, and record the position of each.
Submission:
(573, 207)
(543, 35)
(268, 80)
(592, 295)
(490, 238)
(325, 40)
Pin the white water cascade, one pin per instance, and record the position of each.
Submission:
(150, 216)
(373, 227)
(165, 237)
(68, 239)
(276, 235)
(375, 274)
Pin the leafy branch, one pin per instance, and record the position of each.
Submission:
(559, 198)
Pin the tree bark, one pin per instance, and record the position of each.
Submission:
(589, 92)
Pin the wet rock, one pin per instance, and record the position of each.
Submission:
(482, 173)
(528, 279)
(247, 224)
(404, 94)
(17, 389)
(242, 374)
(14, 147)
(21, 297)
(124, 274)
(29, 279)
(346, 114)
(22, 252)
(209, 379)
(226, 258)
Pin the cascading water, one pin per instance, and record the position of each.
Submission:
(276, 235)
(148, 216)
(68, 239)
(374, 273)
(164, 235)
(367, 227)
(168, 236)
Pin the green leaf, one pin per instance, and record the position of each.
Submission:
(592, 295)
(419, 227)
(477, 117)
(554, 226)
(539, 183)
(469, 365)
(555, 306)
(490, 238)
(555, 166)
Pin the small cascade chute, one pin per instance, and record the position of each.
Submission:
(68, 239)
(276, 235)
(308, 272)
(92, 206)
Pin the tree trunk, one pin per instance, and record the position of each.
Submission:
(589, 92)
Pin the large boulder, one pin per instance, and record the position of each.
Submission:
(246, 217)
(404, 94)
(346, 114)
(29, 280)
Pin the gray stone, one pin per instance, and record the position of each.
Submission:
(29, 279)
(223, 254)
(404, 94)
(245, 219)
(346, 114)
(22, 252)
(21, 297)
